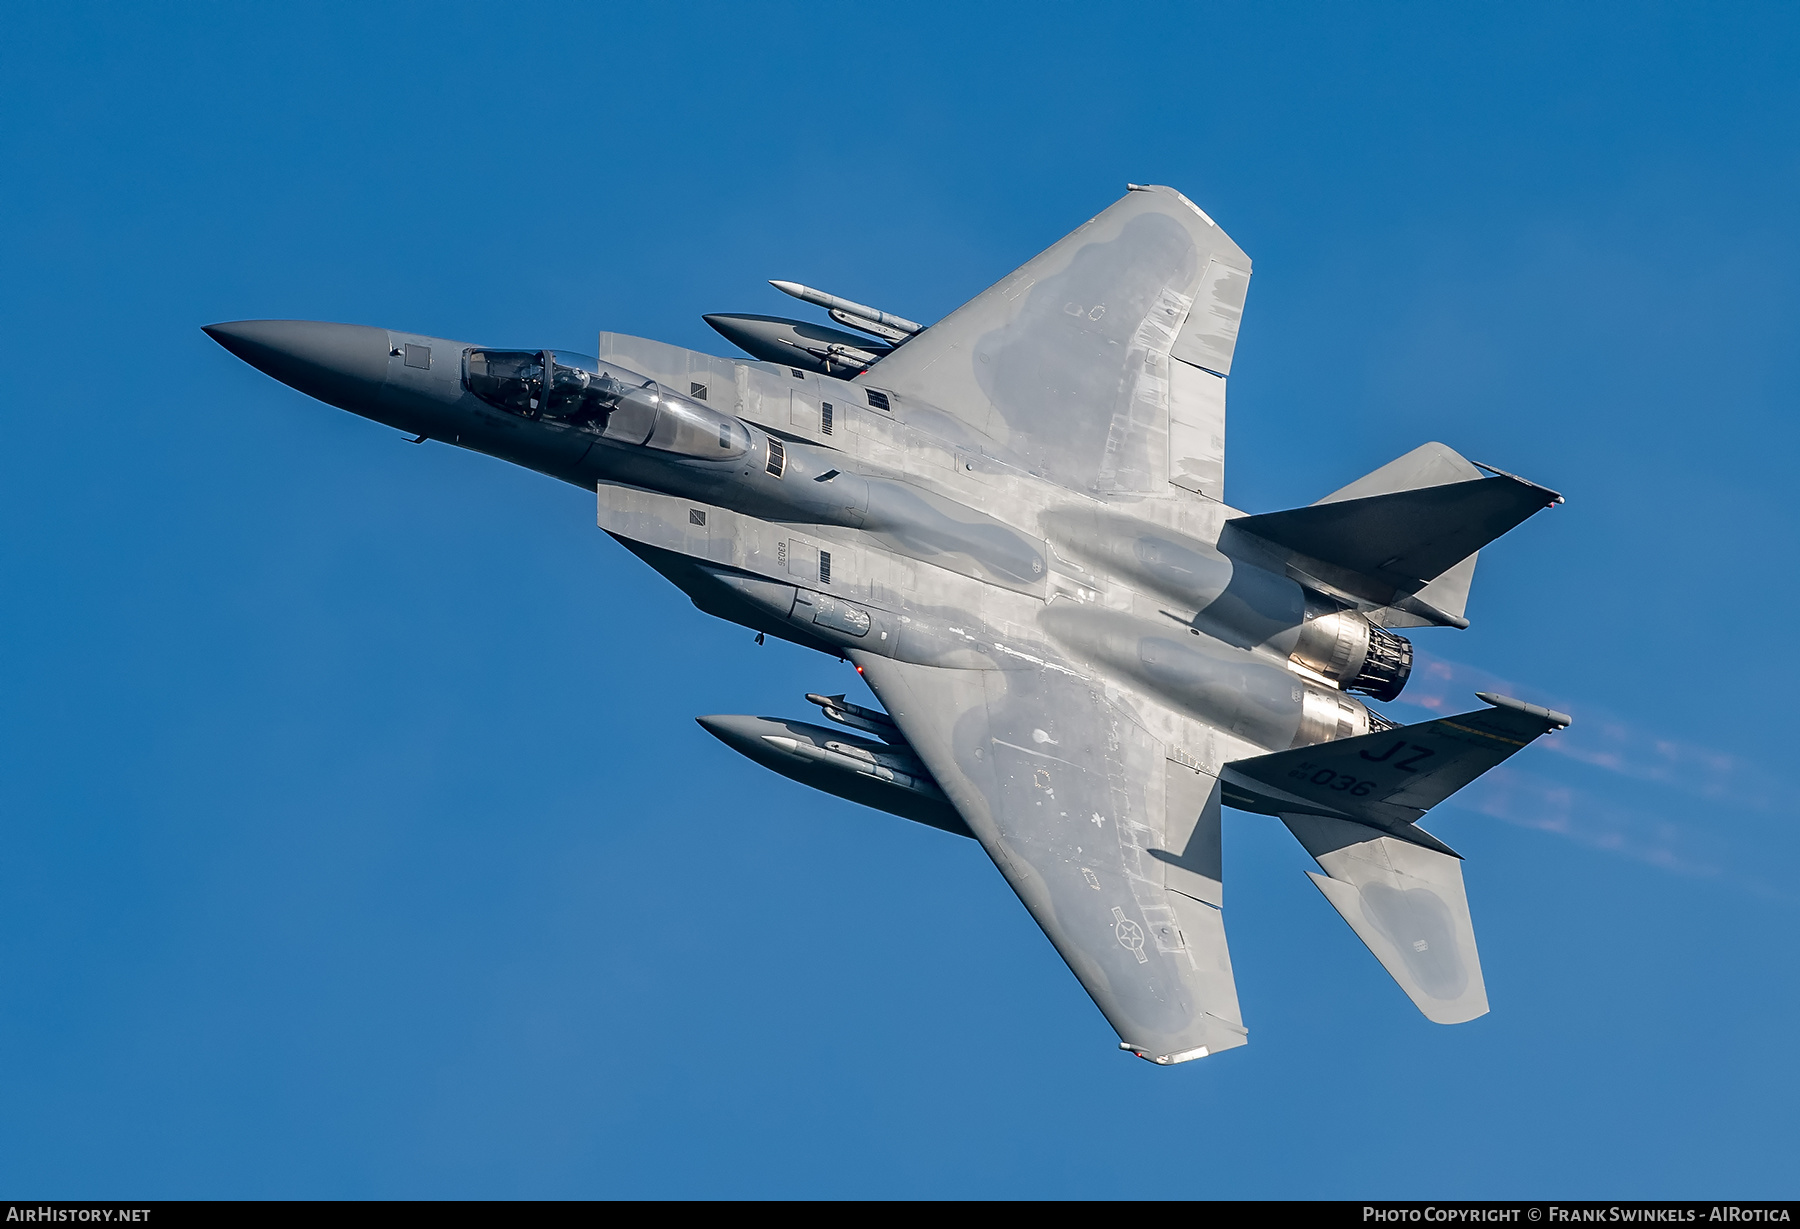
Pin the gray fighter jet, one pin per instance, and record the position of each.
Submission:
(1012, 522)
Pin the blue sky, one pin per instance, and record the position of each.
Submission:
(356, 838)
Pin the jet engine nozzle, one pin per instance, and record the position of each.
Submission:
(1346, 648)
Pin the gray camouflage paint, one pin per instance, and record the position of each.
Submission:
(1048, 598)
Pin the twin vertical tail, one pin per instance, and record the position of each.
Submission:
(1399, 544)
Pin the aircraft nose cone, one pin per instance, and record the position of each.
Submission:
(343, 364)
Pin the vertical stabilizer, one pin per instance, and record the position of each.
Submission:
(1432, 464)
(1401, 542)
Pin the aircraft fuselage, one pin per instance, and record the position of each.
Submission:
(1225, 639)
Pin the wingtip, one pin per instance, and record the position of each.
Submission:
(1560, 721)
(1180, 196)
(1166, 1060)
(1555, 497)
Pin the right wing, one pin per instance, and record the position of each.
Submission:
(1113, 848)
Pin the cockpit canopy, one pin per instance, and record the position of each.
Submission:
(559, 386)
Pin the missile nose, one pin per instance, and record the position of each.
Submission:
(343, 364)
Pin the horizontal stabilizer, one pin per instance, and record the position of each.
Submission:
(1384, 548)
(1407, 904)
(1389, 779)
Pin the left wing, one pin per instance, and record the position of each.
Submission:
(1101, 362)
(1112, 847)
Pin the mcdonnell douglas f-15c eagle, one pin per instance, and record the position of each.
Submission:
(1011, 521)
